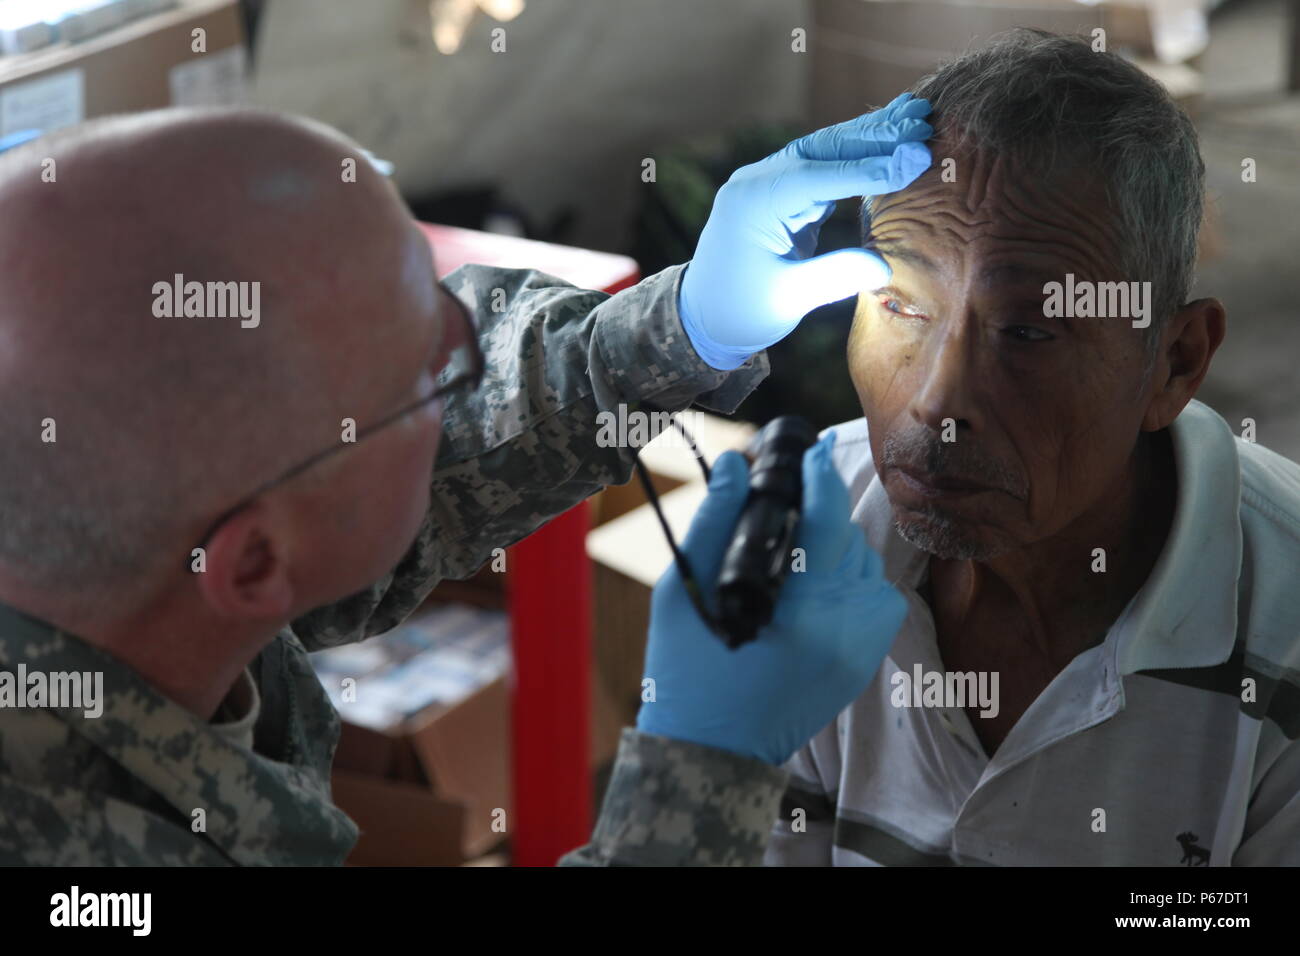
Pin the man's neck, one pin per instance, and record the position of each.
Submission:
(1054, 586)
(190, 663)
(186, 663)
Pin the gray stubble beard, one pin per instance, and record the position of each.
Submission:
(938, 535)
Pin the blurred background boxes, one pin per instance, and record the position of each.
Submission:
(423, 762)
(124, 66)
(422, 765)
(27, 25)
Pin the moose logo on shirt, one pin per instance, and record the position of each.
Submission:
(1193, 855)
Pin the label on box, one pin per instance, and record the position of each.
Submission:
(440, 657)
(213, 80)
(45, 104)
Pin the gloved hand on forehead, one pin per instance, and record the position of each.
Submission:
(753, 276)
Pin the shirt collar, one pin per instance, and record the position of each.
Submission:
(1185, 615)
(257, 810)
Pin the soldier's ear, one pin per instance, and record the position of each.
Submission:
(245, 576)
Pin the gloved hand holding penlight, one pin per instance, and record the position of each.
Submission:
(833, 622)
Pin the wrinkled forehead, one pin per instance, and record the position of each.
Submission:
(974, 203)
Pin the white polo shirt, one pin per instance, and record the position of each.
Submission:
(1141, 751)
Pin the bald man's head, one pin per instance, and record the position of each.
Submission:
(126, 429)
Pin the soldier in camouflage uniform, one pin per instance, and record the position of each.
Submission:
(122, 788)
(241, 777)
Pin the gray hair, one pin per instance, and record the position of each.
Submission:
(1052, 103)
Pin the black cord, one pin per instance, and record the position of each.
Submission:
(689, 580)
(695, 449)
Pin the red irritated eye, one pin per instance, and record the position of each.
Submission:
(896, 306)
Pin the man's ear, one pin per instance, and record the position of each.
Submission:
(246, 575)
(1189, 341)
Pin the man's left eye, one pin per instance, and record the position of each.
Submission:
(1028, 333)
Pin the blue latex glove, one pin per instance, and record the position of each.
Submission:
(752, 279)
(832, 626)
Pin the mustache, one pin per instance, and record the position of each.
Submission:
(919, 449)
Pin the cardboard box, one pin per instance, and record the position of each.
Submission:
(401, 824)
(434, 789)
(423, 760)
(427, 793)
(145, 64)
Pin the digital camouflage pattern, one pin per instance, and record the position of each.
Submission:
(673, 803)
(149, 783)
(123, 789)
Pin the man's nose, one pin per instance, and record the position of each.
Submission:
(947, 379)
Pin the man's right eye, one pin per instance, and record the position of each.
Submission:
(891, 304)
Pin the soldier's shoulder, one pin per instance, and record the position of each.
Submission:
(56, 825)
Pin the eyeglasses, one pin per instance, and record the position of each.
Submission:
(462, 372)
(468, 374)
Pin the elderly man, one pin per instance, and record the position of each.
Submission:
(1101, 659)
(226, 372)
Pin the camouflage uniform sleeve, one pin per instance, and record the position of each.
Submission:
(674, 803)
(524, 447)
